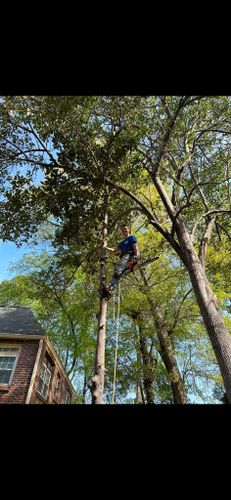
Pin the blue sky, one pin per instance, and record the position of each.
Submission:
(11, 254)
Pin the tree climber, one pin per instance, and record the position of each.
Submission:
(129, 254)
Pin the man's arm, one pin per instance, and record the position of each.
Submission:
(136, 249)
(113, 250)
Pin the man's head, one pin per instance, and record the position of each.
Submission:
(125, 230)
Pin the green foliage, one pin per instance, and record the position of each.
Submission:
(62, 303)
(55, 154)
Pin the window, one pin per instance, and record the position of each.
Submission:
(67, 398)
(8, 360)
(58, 382)
(45, 375)
(49, 362)
(44, 381)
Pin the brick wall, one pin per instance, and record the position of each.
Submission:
(17, 392)
(55, 395)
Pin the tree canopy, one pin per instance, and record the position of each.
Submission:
(163, 162)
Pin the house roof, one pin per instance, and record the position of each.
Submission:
(19, 321)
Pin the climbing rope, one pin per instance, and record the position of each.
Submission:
(116, 340)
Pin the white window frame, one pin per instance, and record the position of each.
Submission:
(48, 385)
(9, 352)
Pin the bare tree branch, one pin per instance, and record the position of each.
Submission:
(218, 212)
(225, 230)
(195, 228)
(177, 314)
(203, 199)
(41, 143)
(205, 239)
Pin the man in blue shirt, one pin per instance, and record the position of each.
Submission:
(129, 253)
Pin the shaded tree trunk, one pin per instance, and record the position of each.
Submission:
(85, 387)
(148, 368)
(166, 350)
(140, 397)
(169, 359)
(139, 393)
(209, 308)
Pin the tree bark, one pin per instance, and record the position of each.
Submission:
(140, 397)
(148, 368)
(85, 387)
(98, 378)
(169, 359)
(209, 308)
(166, 349)
(139, 393)
(205, 239)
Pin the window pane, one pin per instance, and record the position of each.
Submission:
(45, 391)
(4, 376)
(9, 364)
(3, 365)
(6, 367)
(7, 359)
(44, 381)
(47, 378)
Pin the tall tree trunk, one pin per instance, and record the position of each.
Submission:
(166, 349)
(214, 324)
(148, 368)
(140, 398)
(169, 359)
(98, 378)
(116, 345)
(207, 301)
(139, 393)
(85, 387)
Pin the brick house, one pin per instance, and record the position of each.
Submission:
(31, 371)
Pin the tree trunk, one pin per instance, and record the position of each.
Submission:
(139, 394)
(140, 398)
(116, 346)
(98, 379)
(148, 368)
(169, 359)
(85, 387)
(207, 301)
(166, 350)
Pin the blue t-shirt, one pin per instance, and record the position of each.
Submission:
(126, 245)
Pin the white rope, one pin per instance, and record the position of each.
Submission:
(116, 343)
(113, 311)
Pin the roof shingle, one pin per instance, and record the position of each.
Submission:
(19, 320)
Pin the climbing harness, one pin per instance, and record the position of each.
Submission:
(132, 263)
(116, 340)
(107, 292)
